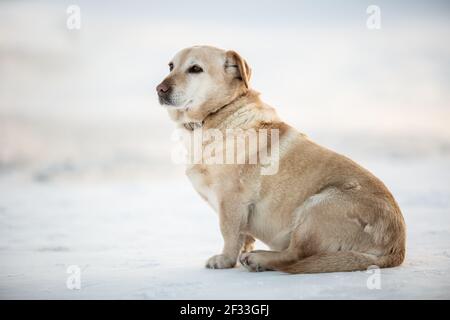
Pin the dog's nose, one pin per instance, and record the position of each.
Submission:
(162, 89)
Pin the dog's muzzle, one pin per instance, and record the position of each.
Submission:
(164, 90)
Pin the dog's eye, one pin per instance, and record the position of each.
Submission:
(171, 66)
(195, 69)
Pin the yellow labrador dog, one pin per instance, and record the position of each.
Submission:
(318, 211)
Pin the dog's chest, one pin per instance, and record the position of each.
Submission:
(203, 181)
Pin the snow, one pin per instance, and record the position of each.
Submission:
(131, 242)
(86, 176)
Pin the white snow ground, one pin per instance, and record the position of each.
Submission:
(85, 172)
(131, 243)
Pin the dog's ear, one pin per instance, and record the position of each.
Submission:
(236, 64)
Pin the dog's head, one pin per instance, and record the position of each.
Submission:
(201, 80)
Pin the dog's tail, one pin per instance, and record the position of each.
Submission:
(340, 261)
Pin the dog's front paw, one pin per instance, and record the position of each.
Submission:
(220, 261)
(252, 261)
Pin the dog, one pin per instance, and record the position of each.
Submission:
(320, 212)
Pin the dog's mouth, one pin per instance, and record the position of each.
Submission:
(169, 103)
(165, 101)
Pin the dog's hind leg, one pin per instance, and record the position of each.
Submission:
(263, 260)
(334, 233)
